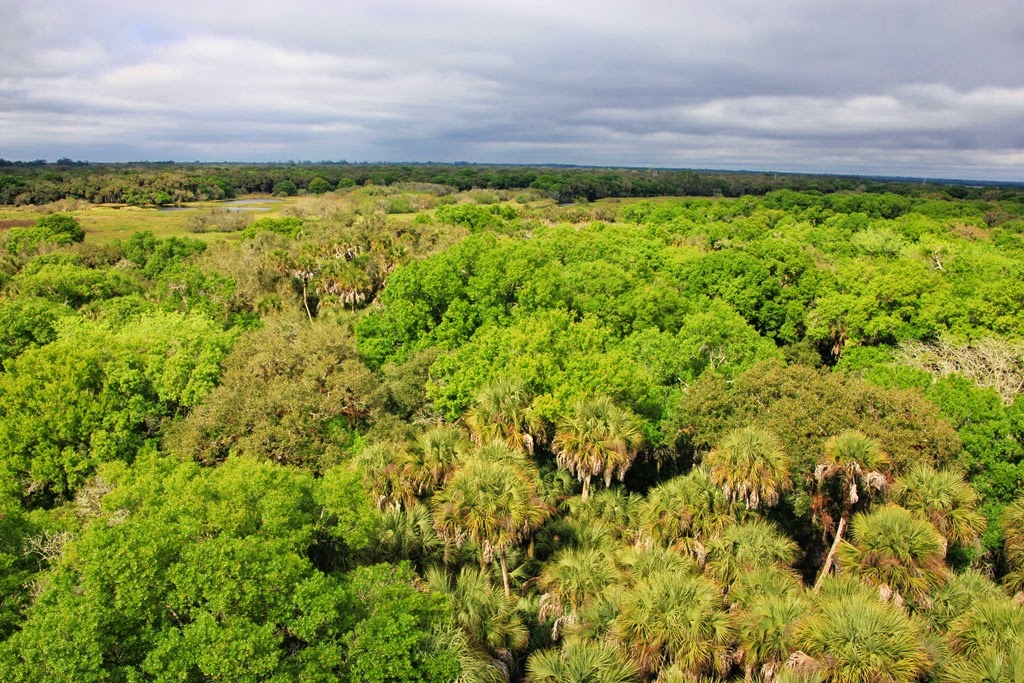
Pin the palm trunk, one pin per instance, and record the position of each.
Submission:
(504, 574)
(586, 487)
(305, 301)
(825, 568)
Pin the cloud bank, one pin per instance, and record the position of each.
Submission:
(902, 87)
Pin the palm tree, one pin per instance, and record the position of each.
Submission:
(502, 410)
(433, 456)
(344, 282)
(958, 595)
(856, 464)
(381, 466)
(862, 641)
(767, 633)
(407, 535)
(751, 586)
(580, 661)
(992, 623)
(1013, 532)
(684, 513)
(756, 544)
(990, 666)
(475, 666)
(751, 467)
(493, 503)
(675, 619)
(597, 438)
(899, 553)
(614, 508)
(487, 617)
(570, 580)
(639, 563)
(943, 498)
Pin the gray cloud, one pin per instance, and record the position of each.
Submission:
(902, 86)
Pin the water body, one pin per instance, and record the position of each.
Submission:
(231, 205)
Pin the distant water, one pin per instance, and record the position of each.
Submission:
(231, 205)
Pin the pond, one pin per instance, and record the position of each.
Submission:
(231, 205)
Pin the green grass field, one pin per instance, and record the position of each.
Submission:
(106, 222)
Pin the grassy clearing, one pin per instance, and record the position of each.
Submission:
(107, 222)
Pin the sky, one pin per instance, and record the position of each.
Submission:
(892, 87)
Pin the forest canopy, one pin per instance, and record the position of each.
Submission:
(458, 423)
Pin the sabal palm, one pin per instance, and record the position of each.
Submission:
(615, 508)
(597, 439)
(407, 535)
(675, 619)
(639, 563)
(753, 585)
(572, 578)
(991, 623)
(580, 661)
(381, 465)
(751, 467)
(943, 498)
(857, 465)
(475, 666)
(486, 616)
(502, 410)
(756, 544)
(863, 641)
(684, 512)
(958, 595)
(493, 503)
(1013, 532)
(767, 632)
(434, 455)
(899, 553)
(990, 666)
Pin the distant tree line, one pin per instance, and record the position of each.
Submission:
(158, 183)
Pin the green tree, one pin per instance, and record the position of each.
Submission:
(861, 641)
(97, 394)
(580, 661)
(854, 464)
(899, 553)
(674, 619)
(493, 503)
(944, 499)
(751, 467)
(318, 186)
(598, 438)
(502, 410)
(485, 615)
(1013, 532)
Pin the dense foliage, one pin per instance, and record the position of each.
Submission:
(409, 433)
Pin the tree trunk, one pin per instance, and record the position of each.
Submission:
(504, 574)
(586, 487)
(305, 301)
(825, 568)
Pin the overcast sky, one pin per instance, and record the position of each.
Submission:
(910, 87)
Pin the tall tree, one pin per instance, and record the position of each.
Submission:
(675, 619)
(943, 498)
(581, 661)
(751, 467)
(899, 553)
(493, 503)
(855, 464)
(1013, 532)
(861, 641)
(597, 438)
(501, 410)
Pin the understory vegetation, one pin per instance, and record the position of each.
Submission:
(421, 431)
